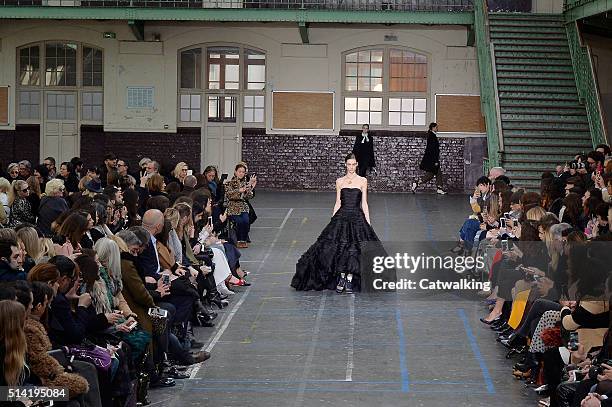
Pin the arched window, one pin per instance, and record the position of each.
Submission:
(222, 76)
(60, 66)
(385, 86)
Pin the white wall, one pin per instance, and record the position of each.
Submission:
(290, 65)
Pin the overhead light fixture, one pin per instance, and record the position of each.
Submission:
(109, 34)
(157, 37)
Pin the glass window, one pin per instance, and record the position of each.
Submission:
(29, 104)
(359, 110)
(29, 66)
(256, 69)
(61, 106)
(92, 67)
(403, 93)
(254, 109)
(364, 71)
(223, 68)
(92, 106)
(407, 112)
(191, 69)
(60, 64)
(222, 109)
(408, 72)
(190, 108)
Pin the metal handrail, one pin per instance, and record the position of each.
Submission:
(571, 4)
(585, 83)
(487, 90)
(356, 5)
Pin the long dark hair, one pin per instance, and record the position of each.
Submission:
(74, 227)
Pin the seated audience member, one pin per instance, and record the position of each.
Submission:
(11, 260)
(51, 206)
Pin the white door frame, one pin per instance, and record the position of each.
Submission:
(205, 124)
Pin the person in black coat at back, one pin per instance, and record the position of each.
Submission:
(431, 161)
(364, 151)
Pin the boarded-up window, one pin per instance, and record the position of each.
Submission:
(303, 110)
(4, 105)
(459, 113)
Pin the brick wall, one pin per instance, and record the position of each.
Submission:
(293, 162)
(167, 148)
(23, 143)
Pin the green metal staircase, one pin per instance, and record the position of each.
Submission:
(542, 120)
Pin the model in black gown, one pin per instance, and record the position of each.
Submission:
(333, 261)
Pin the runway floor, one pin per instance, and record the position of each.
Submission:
(274, 346)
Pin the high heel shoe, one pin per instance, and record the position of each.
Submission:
(521, 375)
(241, 283)
(484, 321)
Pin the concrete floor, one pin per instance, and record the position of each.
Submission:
(274, 346)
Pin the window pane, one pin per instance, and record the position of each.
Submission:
(213, 107)
(350, 103)
(185, 115)
(420, 105)
(394, 105)
(257, 73)
(92, 67)
(407, 119)
(350, 117)
(377, 56)
(351, 57)
(363, 103)
(231, 73)
(249, 115)
(87, 98)
(407, 105)
(195, 115)
(351, 69)
(60, 63)
(29, 66)
(214, 76)
(259, 101)
(376, 104)
(376, 84)
(185, 101)
(363, 117)
(259, 115)
(191, 68)
(97, 113)
(375, 118)
(394, 118)
(351, 83)
(419, 119)
(195, 101)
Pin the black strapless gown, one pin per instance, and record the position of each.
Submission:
(338, 248)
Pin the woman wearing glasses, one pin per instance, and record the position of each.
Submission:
(21, 208)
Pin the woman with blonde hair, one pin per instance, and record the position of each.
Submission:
(174, 242)
(180, 172)
(5, 212)
(29, 237)
(21, 207)
(13, 344)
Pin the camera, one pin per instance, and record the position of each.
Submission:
(505, 246)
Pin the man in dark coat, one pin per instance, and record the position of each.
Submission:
(364, 151)
(431, 161)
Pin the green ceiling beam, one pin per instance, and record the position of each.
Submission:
(236, 15)
(137, 28)
(577, 9)
(304, 32)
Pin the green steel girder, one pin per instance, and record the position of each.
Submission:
(304, 32)
(237, 15)
(578, 9)
(137, 28)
